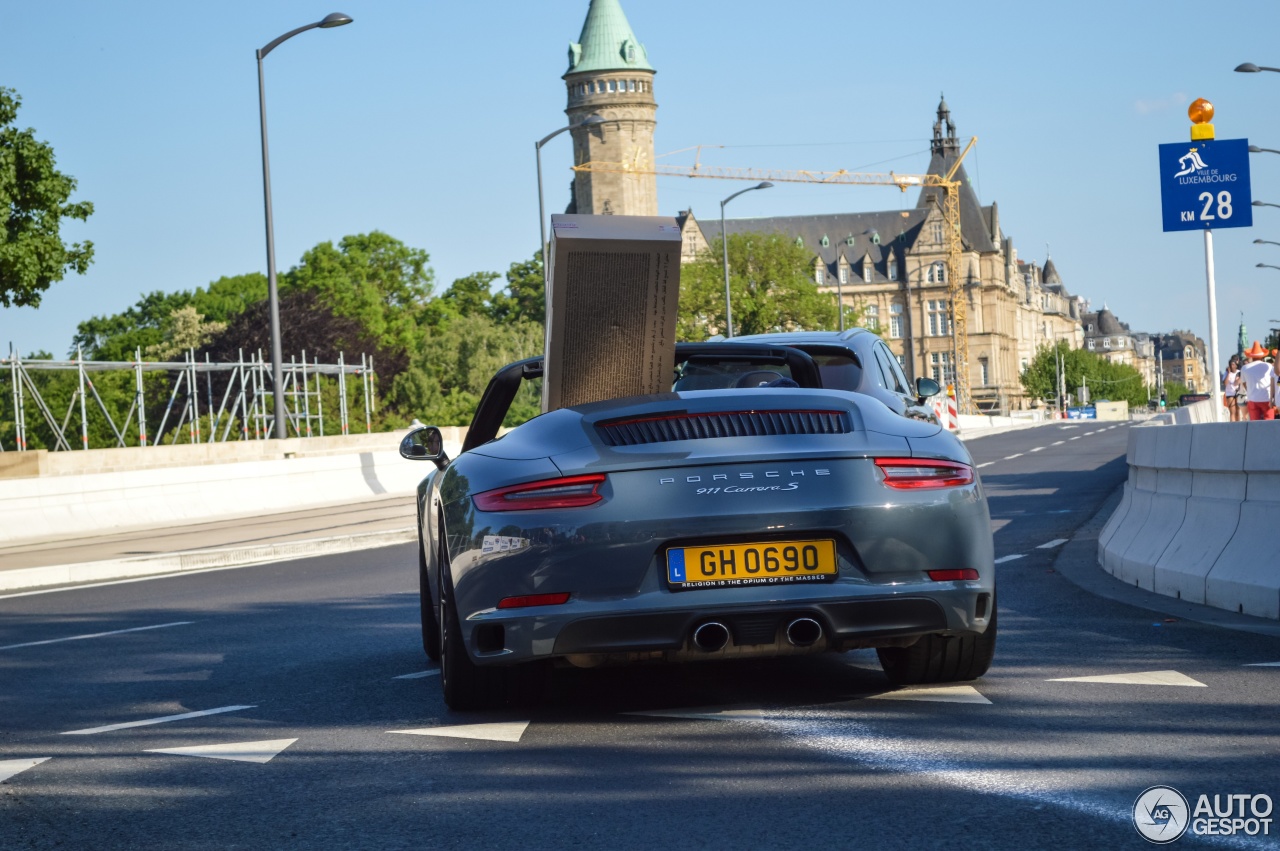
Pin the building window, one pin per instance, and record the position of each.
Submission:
(985, 366)
(868, 269)
(613, 86)
(844, 274)
(631, 85)
(891, 266)
(938, 273)
(902, 360)
(1089, 344)
(937, 231)
(873, 317)
(818, 277)
(1106, 342)
(939, 318)
(895, 320)
(1188, 353)
(824, 241)
(940, 367)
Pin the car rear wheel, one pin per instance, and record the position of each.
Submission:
(465, 684)
(430, 628)
(941, 658)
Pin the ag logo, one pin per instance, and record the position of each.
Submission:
(1160, 814)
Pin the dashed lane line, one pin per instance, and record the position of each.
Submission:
(10, 767)
(1014, 455)
(161, 720)
(419, 675)
(1003, 559)
(1037, 449)
(259, 752)
(987, 464)
(1056, 542)
(1077, 437)
(95, 635)
(1057, 443)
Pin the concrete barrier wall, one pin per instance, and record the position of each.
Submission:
(1197, 512)
(79, 504)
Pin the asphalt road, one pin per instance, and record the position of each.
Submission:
(301, 668)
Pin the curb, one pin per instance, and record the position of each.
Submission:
(191, 560)
(1077, 562)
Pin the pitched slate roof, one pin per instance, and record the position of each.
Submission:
(838, 228)
(607, 42)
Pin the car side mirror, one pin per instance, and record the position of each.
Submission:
(926, 387)
(424, 443)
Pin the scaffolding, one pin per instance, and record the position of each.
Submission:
(244, 399)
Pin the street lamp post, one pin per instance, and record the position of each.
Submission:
(1267, 266)
(1250, 68)
(1254, 149)
(589, 121)
(1265, 204)
(724, 245)
(1265, 242)
(336, 19)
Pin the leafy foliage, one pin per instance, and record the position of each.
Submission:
(1105, 380)
(33, 202)
(770, 283)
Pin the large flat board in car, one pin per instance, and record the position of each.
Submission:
(611, 308)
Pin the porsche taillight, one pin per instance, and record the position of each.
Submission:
(917, 473)
(568, 492)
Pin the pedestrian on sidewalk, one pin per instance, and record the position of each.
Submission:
(1231, 389)
(1259, 380)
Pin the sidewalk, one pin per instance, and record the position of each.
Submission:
(222, 543)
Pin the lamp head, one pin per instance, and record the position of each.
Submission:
(591, 121)
(1254, 149)
(764, 185)
(335, 19)
(1248, 68)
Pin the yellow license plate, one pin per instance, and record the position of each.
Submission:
(769, 563)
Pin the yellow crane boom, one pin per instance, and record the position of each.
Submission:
(950, 212)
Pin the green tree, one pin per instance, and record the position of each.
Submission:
(1105, 380)
(526, 293)
(34, 201)
(770, 282)
(185, 329)
(450, 371)
(228, 297)
(373, 278)
(140, 326)
(469, 296)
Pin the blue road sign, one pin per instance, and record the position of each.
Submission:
(1205, 185)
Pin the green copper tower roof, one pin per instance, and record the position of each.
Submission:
(607, 42)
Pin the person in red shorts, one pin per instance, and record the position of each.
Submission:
(1258, 382)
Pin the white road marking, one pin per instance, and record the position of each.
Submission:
(1014, 455)
(95, 635)
(706, 713)
(1263, 665)
(1146, 678)
(1037, 449)
(418, 675)
(10, 767)
(1056, 542)
(1057, 443)
(501, 731)
(987, 464)
(1003, 559)
(162, 720)
(259, 752)
(859, 743)
(1077, 437)
(938, 694)
(1087, 433)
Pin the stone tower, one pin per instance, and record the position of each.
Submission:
(609, 75)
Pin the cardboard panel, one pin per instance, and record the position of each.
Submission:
(611, 308)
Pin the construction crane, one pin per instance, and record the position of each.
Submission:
(950, 213)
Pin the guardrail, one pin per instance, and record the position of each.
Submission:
(1197, 516)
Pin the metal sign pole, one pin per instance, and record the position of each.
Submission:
(1213, 326)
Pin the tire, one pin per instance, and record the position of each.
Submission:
(430, 628)
(465, 684)
(941, 658)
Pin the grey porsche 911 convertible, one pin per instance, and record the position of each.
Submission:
(747, 513)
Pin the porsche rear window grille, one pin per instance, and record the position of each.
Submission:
(727, 424)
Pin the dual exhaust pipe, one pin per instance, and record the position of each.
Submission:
(713, 635)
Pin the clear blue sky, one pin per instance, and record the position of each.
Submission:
(419, 120)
